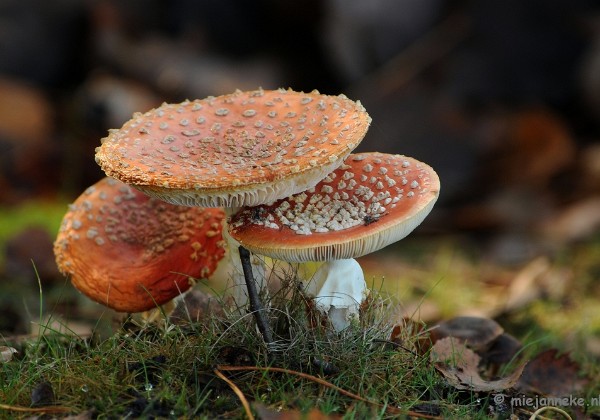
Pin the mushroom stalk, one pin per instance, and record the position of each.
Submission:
(255, 304)
(338, 288)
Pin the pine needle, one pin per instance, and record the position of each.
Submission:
(321, 382)
(238, 392)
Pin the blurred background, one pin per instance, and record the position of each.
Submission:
(501, 97)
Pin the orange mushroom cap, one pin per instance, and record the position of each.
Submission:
(245, 148)
(371, 201)
(131, 252)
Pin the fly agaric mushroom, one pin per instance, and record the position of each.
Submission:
(241, 149)
(371, 201)
(131, 252)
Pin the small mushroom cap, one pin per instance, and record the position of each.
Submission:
(131, 252)
(245, 148)
(371, 201)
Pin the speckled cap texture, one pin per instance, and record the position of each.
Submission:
(369, 202)
(241, 149)
(132, 252)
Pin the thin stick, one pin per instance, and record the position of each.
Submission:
(255, 303)
(45, 410)
(326, 384)
(300, 374)
(538, 413)
(238, 392)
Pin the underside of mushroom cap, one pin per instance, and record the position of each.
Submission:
(371, 201)
(131, 252)
(245, 148)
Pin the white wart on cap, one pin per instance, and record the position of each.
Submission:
(246, 148)
(371, 201)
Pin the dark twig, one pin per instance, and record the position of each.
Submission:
(255, 304)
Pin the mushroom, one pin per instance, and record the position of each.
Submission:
(131, 252)
(241, 149)
(369, 202)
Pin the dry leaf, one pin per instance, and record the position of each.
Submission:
(525, 286)
(6, 353)
(552, 375)
(459, 365)
(409, 331)
(476, 332)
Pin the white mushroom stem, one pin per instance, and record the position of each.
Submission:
(238, 288)
(338, 288)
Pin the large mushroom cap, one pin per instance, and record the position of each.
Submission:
(371, 201)
(245, 148)
(131, 252)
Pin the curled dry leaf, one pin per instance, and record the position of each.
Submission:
(6, 353)
(552, 375)
(459, 365)
(476, 332)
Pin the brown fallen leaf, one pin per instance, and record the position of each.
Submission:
(525, 287)
(482, 335)
(411, 335)
(552, 375)
(459, 365)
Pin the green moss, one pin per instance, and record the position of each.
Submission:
(47, 214)
(44, 214)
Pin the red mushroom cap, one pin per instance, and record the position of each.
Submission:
(245, 148)
(131, 252)
(371, 201)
